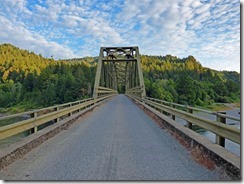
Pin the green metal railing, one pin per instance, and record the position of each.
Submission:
(45, 115)
(105, 91)
(136, 91)
(218, 127)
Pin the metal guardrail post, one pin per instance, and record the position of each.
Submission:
(161, 109)
(173, 116)
(78, 109)
(70, 114)
(58, 119)
(189, 124)
(218, 139)
(33, 130)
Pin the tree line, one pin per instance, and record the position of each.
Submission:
(186, 81)
(28, 80)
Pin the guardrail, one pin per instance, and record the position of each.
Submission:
(45, 115)
(44, 110)
(102, 90)
(189, 108)
(218, 127)
(136, 91)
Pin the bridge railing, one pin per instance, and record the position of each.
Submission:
(218, 127)
(101, 91)
(136, 91)
(45, 115)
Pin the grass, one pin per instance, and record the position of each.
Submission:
(22, 107)
(219, 107)
(237, 104)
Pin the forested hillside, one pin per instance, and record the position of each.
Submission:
(185, 81)
(31, 81)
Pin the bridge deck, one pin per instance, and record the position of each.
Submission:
(117, 142)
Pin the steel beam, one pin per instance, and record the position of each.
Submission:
(98, 74)
(119, 68)
(139, 69)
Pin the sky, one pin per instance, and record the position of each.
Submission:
(207, 29)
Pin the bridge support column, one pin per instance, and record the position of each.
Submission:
(140, 74)
(98, 74)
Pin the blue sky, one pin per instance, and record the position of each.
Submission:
(207, 29)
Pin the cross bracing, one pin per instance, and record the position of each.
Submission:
(119, 70)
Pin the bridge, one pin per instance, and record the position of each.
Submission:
(118, 134)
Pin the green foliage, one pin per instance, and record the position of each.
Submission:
(186, 81)
(29, 81)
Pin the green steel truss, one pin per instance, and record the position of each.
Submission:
(119, 70)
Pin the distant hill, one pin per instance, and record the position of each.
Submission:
(28, 80)
(184, 80)
(168, 62)
(15, 62)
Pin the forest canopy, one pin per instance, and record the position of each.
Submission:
(28, 80)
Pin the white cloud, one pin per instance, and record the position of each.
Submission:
(196, 4)
(202, 9)
(208, 30)
(23, 38)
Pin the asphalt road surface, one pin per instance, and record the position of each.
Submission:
(118, 141)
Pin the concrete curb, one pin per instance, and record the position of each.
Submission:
(17, 150)
(223, 158)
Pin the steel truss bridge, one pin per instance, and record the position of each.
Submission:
(119, 70)
(114, 136)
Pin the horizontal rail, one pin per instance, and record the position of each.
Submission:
(119, 60)
(106, 89)
(195, 109)
(220, 129)
(22, 126)
(135, 91)
(135, 88)
(43, 109)
(101, 91)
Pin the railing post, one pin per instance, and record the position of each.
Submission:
(33, 130)
(70, 114)
(189, 124)
(173, 116)
(161, 109)
(79, 109)
(57, 119)
(218, 139)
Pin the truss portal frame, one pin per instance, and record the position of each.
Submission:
(119, 69)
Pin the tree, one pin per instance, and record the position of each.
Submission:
(186, 90)
(29, 82)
